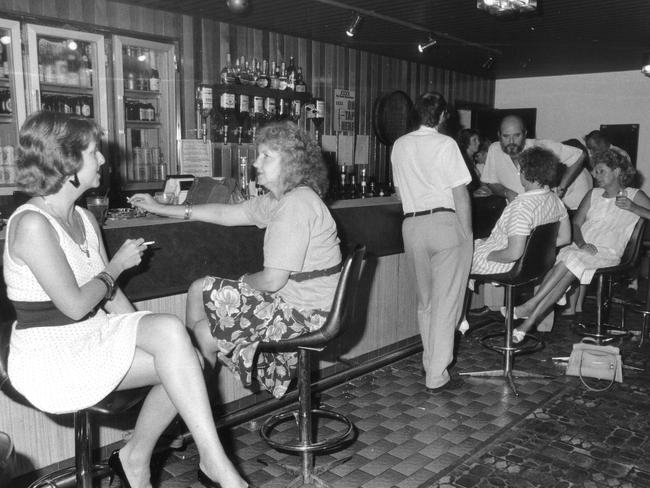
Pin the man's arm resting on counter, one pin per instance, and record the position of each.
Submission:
(463, 208)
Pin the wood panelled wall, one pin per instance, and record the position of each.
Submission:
(326, 67)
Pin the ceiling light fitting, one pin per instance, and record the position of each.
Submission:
(488, 63)
(507, 8)
(645, 69)
(352, 29)
(426, 45)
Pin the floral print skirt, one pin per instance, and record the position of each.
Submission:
(241, 317)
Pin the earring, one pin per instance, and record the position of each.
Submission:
(75, 181)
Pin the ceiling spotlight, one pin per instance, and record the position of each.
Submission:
(352, 29)
(72, 45)
(5, 40)
(237, 6)
(488, 63)
(426, 45)
(645, 69)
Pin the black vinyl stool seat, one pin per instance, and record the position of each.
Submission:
(538, 258)
(601, 330)
(81, 474)
(339, 316)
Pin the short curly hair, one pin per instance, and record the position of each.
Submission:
(539, 165)
(614, 160)
(50, 150)
(302, 161)
(464, 137)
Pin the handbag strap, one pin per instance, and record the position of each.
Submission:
(591, 388)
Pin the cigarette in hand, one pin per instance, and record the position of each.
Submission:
(148, 243)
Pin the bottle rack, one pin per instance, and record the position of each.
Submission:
(256, 91)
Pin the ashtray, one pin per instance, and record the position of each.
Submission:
(124, 213)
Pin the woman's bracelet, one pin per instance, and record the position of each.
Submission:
(108, 280)
(188, 211)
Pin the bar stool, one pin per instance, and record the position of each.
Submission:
(81, 474)
(538, 258)
(605, 276)
(340, 316)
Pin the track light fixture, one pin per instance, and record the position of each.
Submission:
(426, 45)
(488, 63)
(645, 69)
(352, 29)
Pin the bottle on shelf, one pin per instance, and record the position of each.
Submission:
(246, 75)
(283, 108)
(128, 67)
(263, 80)
(154, 77)
(85, 70)
(228, 73)
(60, 63)
(204, 109)
(270, 109)
(274, 82)
(227, 109)
(291, 74)
(141, 77)
(296, 110)
(72, 61)
(258, 116)
(343, 181)
(282, 77)
(243, 177)
(243, 118)
(237, 70)
(301, 86)
(316, 113)
(353, 192)
(49, 72)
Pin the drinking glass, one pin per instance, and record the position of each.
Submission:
(98, 205)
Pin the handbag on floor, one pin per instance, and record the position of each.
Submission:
(590, 360)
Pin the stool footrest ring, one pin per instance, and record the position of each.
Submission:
(330, 442)
(535, 344)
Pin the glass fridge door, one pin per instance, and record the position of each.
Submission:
(12, 101)
(67, 73)
(146, 112)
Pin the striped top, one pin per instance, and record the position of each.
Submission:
(519, 218)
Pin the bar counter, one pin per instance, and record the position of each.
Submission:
(184, 251)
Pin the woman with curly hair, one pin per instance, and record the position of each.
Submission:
(601, 228)
(293, 292)
(538, 205)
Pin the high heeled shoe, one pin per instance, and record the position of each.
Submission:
(115, 464)
(206, 481)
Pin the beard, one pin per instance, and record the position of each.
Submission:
(512, 149)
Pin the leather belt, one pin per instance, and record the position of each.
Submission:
(308, 275)
(427, 212)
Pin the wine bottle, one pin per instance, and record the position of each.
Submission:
(274, 83)
(243, 117)
(154, 78)
(291, 75)
(282, 78)
(301, 86)
(258, 116)
(227, 108)
(263, 80)
(228, 73)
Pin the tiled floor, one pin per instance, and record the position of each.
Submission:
(555, 434)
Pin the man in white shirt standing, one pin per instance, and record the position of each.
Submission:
(501, 172)
(430, 177)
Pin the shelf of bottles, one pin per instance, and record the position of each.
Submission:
(12, 101)
(146, 111)
(248, 96)
(66, 72)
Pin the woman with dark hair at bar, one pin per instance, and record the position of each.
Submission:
(601, 228)
(469, 141)
(293, 293)
(77, 337)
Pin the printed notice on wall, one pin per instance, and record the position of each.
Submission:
(344, 110)
(196, 157)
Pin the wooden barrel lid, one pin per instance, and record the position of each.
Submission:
(393, 116)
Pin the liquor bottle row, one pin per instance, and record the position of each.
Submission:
(68, 104)
(277, 76)
(65, 63)
(237, 119)
(140, 69)
(140, 111)
(7, 165)
(146, 164)
(6, 103)
(350, 186)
